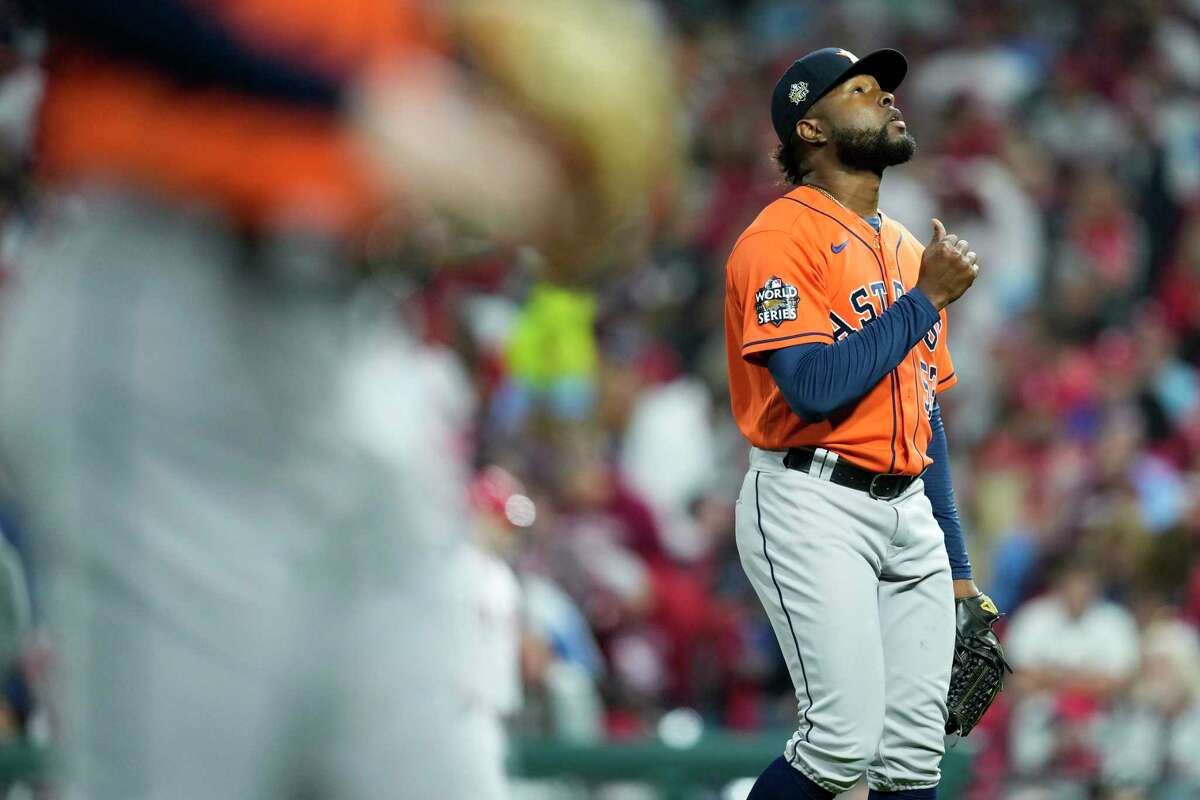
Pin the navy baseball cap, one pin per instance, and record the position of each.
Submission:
(808, 80)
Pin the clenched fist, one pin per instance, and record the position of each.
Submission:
(948, 267)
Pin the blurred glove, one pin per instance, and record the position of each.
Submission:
(559, 136)
(597, 73)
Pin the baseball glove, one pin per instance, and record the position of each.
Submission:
(977, 674)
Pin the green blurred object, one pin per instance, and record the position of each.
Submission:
(554, 337)
(715, 759)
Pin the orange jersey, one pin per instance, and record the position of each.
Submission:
(808, 271)
(108, 119)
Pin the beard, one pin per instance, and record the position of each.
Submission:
(872, 150)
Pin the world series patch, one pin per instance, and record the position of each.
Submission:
(776, 302)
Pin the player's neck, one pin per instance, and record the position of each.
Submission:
(857, 191)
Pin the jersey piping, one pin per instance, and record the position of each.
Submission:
(893, 382)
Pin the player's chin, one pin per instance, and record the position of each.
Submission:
(901, 144)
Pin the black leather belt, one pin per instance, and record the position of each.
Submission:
(879, 485)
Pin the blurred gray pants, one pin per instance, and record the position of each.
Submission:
(247, 515)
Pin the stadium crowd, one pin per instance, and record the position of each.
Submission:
(1063, 140)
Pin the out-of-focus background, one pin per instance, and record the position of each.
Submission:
(1063, 139)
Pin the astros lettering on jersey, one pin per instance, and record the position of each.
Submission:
(808, 270)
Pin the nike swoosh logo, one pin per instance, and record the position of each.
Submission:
(837, 248)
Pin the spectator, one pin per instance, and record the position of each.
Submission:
(1152, 739)
(1072, 640)
(1074, 653)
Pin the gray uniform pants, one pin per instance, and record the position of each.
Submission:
(859, 593)
(250, 522)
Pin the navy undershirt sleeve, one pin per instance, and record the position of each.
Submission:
(940, 492)
(818, 379)
(191, 47)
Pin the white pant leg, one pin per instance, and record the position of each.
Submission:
(408, 719)
(812, 550)
(213, 528)
(916, 612)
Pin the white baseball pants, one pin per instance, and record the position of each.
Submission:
(860, 596)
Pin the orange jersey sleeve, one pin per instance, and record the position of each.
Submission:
(945, 377)
(778, 294)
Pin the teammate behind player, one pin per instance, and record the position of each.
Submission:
(846, 524)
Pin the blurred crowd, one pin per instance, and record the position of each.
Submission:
(1063, 140)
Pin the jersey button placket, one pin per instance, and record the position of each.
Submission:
(887, 273)
(898, 384)
(909, 402)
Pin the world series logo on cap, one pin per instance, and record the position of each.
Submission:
(798, 92)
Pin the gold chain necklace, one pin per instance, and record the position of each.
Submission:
(839, 202)
(827, 194)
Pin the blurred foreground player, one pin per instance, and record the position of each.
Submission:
(251, 512)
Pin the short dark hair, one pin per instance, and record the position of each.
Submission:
(792, 161)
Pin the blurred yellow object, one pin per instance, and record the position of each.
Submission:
(558, 136)
(554, 338)
(598, 74)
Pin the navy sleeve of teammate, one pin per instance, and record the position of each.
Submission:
(940, 492)
(192, 47)
(818, 379)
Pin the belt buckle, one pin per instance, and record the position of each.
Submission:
(871, 487)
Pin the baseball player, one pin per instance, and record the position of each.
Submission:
(836, 334)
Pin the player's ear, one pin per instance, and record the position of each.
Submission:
(811, 130)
